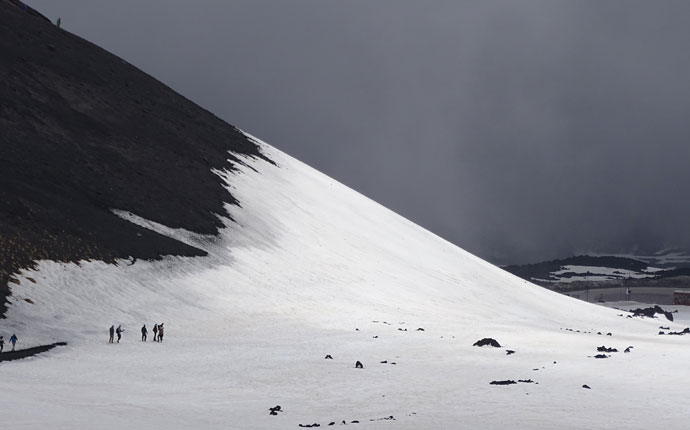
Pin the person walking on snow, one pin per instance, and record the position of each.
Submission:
(155, 332)
(160, 333)
(14, 340)
(112, 333)
(144, 333)
(2, 343)
(119, 331)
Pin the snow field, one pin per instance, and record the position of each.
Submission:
(307, 262)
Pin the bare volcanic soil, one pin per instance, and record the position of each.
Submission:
(83, 132)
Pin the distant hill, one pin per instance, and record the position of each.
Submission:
(594, 270)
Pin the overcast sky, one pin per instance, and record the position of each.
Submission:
(519, 130)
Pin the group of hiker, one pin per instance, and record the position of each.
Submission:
(13, 341)
(158, 332)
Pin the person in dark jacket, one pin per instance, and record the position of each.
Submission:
(155, 332)
(119, 331)
(2, 343)
(144, 333)
(14, 340)
(112, 333)
(160, 332)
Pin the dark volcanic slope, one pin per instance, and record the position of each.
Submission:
(81, 132)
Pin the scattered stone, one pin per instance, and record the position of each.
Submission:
(609, 334)
(661, 332)
(601, 356)
(329, 357)
(651, 312)
(526, 381)
(664, 328)
(599, 333)
(487, 341)
(505, 382)
(354, 422)
(310, 425)
(627, 350)
(586, 386)
(359, 365)
(680, 333)
(376, 337)
(393, 363)
(605, 349)
(274, 410)
(420, 329)
(332, 423)
(509, 352)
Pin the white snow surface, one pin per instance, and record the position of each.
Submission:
(310, 268)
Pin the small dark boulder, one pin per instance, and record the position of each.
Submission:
(359, 365)
(332, 423)
(526, 381)
(586, 386)
(328, 357)
(605, 349)
(504, 382)
(601, 356)
(651, 312)
(487, 341)
(420, 329)
(509, 352)
(627, 350)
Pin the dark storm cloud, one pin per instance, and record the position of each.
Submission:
(518, 130)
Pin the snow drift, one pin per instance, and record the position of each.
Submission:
(309, 268)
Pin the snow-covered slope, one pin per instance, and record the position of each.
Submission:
(309, 268)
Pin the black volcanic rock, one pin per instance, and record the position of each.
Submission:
(487, 341)
(83, 132)
(504, 382)
(651, 312)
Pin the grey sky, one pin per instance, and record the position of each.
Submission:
(519, 130)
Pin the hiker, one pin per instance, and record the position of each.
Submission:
(144, 332)
(119, 331)
(160, 333)
(14, 340)
(58, 23)
(112, 333)
(155, 332)
(2, 343)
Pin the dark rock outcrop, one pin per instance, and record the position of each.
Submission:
(83, 132)
(504, 382)
(651, 312)
(28, 352)
(487, 341)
